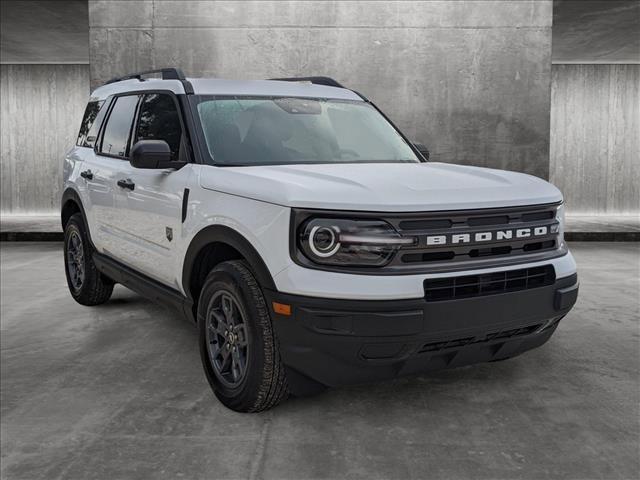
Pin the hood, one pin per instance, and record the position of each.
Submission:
(384, 187)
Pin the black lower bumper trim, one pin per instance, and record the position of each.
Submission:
(340, 342)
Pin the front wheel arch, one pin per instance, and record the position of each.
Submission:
(212, 246)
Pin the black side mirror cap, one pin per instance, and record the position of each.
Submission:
(424, 151)
(152, 154)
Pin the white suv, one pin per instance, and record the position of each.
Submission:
(310, 241)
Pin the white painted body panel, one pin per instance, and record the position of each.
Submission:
(256, 202)
(275, 88)
(101, 93)
(263, 223)
(98, 195)
(130, 226)
(266, 226)
(146, 213)
(384, 187)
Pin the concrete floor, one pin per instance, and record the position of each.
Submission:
(117, 391)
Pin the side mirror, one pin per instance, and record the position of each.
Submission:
(422, 149)
(151, 154)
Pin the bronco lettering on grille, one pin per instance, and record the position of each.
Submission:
(496, 235)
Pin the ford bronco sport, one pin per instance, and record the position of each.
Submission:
(309, 240)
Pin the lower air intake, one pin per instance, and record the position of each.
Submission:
(461, 342)
(437, 289)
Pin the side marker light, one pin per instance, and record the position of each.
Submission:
(282, 308)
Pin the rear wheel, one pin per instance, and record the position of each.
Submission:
(86, 284)
(238, 347)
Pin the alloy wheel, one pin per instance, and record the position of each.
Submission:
(227, 339)
(75, 259)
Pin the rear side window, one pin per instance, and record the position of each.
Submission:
(87, 135)
(116, 134)
(160, 120)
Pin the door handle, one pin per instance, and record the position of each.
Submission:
(126, 184)
(88, 174)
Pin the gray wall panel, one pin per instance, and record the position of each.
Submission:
(354, 13)
(471, 79)
(130, 49)
(41, 108)
(596, 31)
(44, 32)
(595, 140)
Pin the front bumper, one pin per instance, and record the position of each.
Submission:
(307, 282)
(340, 342)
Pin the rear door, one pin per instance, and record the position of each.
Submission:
(111, 153)
(153, 202)
(96, 192)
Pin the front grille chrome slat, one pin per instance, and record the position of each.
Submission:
(475, 236)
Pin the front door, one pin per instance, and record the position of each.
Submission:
(152, 199)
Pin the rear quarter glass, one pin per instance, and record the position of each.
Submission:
(93, 115)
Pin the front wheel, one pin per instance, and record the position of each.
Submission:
(238, 347)
(86, 284)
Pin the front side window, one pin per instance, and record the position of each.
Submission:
(159, 120)
(116, 134)
(89, 126)
(276, 131)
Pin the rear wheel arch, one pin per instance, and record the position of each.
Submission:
(70, 205)
(210, 247)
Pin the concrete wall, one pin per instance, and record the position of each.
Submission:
(596, 31)
(471, 79)
(41, 108)
(595, 139)
(44, 32)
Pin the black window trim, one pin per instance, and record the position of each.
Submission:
(105, 122)
(184, 132)
(107, 106)
(181, 113)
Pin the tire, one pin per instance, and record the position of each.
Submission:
(238, 346)
(87, 286)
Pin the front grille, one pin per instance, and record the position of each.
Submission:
(437, 289)
(427, 257)
(454, 240)
(461, 342)
(474, 236)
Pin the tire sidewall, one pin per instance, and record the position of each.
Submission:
(74, 225)
(225, 277)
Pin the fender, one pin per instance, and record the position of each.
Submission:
(224, 234)
(71, 194)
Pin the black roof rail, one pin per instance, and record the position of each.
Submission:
(328, 81)
(170, 73)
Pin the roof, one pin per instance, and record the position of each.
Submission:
(216, 86)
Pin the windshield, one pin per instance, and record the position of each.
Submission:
(284, 131)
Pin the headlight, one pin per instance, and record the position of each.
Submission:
(346, 242)
(560, 219)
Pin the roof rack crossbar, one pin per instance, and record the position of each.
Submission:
(328, 81)
(170, 73)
